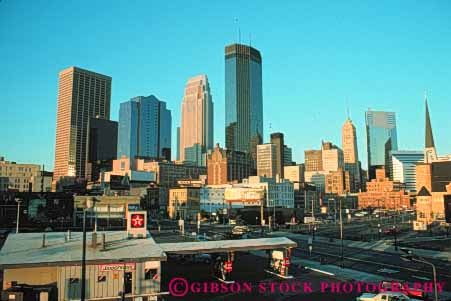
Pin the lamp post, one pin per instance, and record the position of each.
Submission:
(409, 256)
(341, 236)
(396, 237)
(18, 201)
(89, 204)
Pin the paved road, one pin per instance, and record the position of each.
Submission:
(250, 268)
(374, 262)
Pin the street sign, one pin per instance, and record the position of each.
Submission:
(228, 266)
(117, 267)
(286, 262)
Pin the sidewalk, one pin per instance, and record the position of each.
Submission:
(374, 246)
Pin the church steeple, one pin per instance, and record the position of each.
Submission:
(429, 138)
(430, 153)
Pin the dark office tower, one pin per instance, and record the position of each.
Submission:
(82, 94)
(178, 144)
(102, 147)
(381, 139)
(277, 140)
(243, 98)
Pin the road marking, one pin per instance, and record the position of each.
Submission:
(388, 271)
(378, 263)
(320, 271)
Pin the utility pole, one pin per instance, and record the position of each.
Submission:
(341, 235)
(18, 201)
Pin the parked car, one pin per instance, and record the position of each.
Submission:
(391, 231)
(385, 296)
(240, 230)
(201, 238)
(403, 288)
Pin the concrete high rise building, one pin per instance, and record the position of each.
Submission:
(381, 139)
(351, 155)
(278, 141)
(243, 98)
(196, 116)
(332, 157)
(313, 160)
(144, 129)
(267, 160)
(82, 94)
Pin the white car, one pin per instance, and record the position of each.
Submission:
(240, 230)
(385, 296)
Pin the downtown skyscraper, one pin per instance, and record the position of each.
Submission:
(144, 129)
(196, 116)
(82, 95)
(381, 139)
(351, 155)
(243, 98)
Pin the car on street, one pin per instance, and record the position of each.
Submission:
(202, 238)
(240, 230)
(391, 231)
(403, 288)
(385, 296)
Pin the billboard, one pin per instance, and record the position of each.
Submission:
(119, 182)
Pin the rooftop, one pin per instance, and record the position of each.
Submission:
(223, 246)
(26, 249)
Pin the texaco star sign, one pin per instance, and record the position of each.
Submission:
(137, 221)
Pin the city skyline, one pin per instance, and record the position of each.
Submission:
(394, 91)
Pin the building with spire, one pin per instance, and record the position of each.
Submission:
(433, 181)
(430, 153)
(196, 116)
(351, 155)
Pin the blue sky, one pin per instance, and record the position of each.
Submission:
(316, 55)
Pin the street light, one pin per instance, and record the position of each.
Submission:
(89, 204)
(409, 256)
(396, 237)
(341, 236)
(18, 201)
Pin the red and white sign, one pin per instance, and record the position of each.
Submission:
(117, 267)
(228, 266)
(137, 220)
(137, 224)
(286, 262)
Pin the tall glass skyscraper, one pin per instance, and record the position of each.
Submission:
(144, 128)
(243, 98)
(381, 138)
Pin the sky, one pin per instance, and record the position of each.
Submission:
(318, 57)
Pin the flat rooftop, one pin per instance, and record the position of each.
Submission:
(223, 246)
(25, 249)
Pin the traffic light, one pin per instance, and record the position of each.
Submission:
(448, 208)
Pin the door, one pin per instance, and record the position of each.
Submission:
(128, 282)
